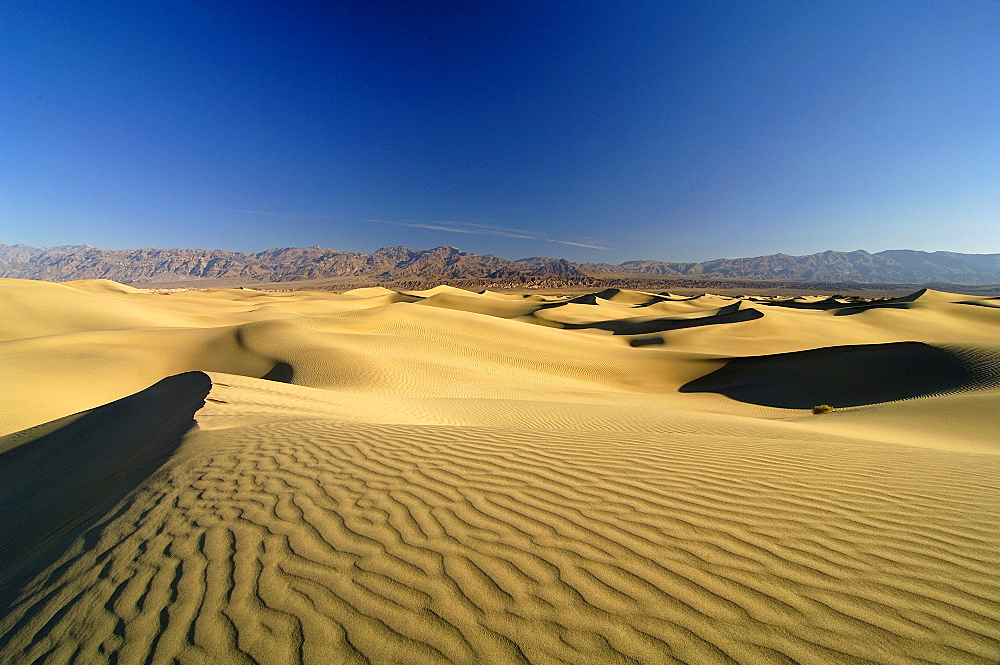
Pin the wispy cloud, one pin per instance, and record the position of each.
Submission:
(449, 226)
(277, 213)
(482, 229)
(418, 225)
(464, 227)
(253, 212)
(576, 244)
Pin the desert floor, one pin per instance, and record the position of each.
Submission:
(235, 476)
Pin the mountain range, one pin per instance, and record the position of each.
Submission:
(445, 263)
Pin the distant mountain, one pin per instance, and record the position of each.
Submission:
(448, 263)
(896, 266)
(276, 265)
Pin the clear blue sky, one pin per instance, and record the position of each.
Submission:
(606, 130)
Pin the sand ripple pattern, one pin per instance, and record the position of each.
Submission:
(330, 542)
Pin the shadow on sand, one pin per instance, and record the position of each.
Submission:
(853, 375)
(58, 482)
(631, 327)
(282, 372)
(847, 308)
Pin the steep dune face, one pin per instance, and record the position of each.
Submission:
(448, 477)
(58, 481)
(855, 375)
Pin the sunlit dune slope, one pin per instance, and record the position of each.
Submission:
(439, 476)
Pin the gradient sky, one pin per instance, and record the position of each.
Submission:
(598, 131)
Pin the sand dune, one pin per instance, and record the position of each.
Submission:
(439, 476)
(855, 375)
(84, 466)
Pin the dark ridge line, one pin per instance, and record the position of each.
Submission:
(57, 485)
(626, 327)
(850, 375)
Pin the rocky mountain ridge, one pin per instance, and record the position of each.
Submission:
(446, 263)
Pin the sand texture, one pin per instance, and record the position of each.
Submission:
(441, 476)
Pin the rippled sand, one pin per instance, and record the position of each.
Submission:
(235, 476)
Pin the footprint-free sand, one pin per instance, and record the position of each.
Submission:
(236, 476)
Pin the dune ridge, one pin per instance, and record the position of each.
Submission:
(62, 479)
(451, 477)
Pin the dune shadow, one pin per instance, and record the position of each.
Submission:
(851, 307)
(646, 341)
(824, 305)
(629, 327)
(654, 300)
(588, 299)
(852, 375)
(282, 372)
(980, 302)
(58, 484)
(858, 309)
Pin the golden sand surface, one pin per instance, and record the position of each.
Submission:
(441, 476)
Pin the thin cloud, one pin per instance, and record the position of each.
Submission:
(266, 213)
(575, 244)
(503, 231)
(419, 225)
(450, 226)
(469, 228)
(272, 213)
(464, 227)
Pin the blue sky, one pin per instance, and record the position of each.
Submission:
(598, 131)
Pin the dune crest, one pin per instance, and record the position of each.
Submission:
(59, 480)
(449, 477)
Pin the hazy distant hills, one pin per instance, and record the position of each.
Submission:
(448, 263)
(895, 266)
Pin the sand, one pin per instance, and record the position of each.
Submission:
(440, 476)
